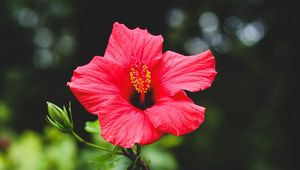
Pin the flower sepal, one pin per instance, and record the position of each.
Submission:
(92, 127)
(61, 118)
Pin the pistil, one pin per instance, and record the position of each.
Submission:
(140, 78)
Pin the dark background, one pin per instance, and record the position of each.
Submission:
(250, 121)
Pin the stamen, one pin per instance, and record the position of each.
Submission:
(140, 78)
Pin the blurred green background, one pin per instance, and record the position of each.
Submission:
(249, 123)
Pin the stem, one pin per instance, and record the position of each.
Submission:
(130, 151)
(138, 159)
(138, 149)
(142, 163)
(91, 144)
(127, 154)
(138, 153)
(135, 161)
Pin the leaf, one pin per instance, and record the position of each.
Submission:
(92, 127)
(95, 160)
(159, 159)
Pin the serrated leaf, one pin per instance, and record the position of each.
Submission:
(92, 127)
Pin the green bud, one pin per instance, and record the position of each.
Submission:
(60, 118)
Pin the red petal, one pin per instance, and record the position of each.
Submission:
(98, 81)
(124, 125)
(177, 115)
(192, 73)
(129, 46)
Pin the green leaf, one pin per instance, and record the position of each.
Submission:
(92, 127)
(95, 160)
(159, 159)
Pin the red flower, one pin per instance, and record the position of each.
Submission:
(137, 92)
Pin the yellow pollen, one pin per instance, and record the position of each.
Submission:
(140, 77)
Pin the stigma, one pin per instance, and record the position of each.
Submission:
(140, 78)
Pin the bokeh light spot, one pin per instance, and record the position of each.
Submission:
(251, 33)
(65, 45)
(43, 38)
(175, 17)
(195, 45)
(27, 17)
(43, 59)
(208, 22)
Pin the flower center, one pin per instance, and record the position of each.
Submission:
(140, 78)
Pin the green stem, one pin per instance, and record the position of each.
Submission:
(135, 162)
(91, 144)
(137, 159)
(130, 151)
(128, 155)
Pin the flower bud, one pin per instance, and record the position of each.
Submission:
(60, 118)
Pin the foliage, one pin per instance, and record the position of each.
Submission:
(54, 150)
(30, 150)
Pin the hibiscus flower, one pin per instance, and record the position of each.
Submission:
(138, 92)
